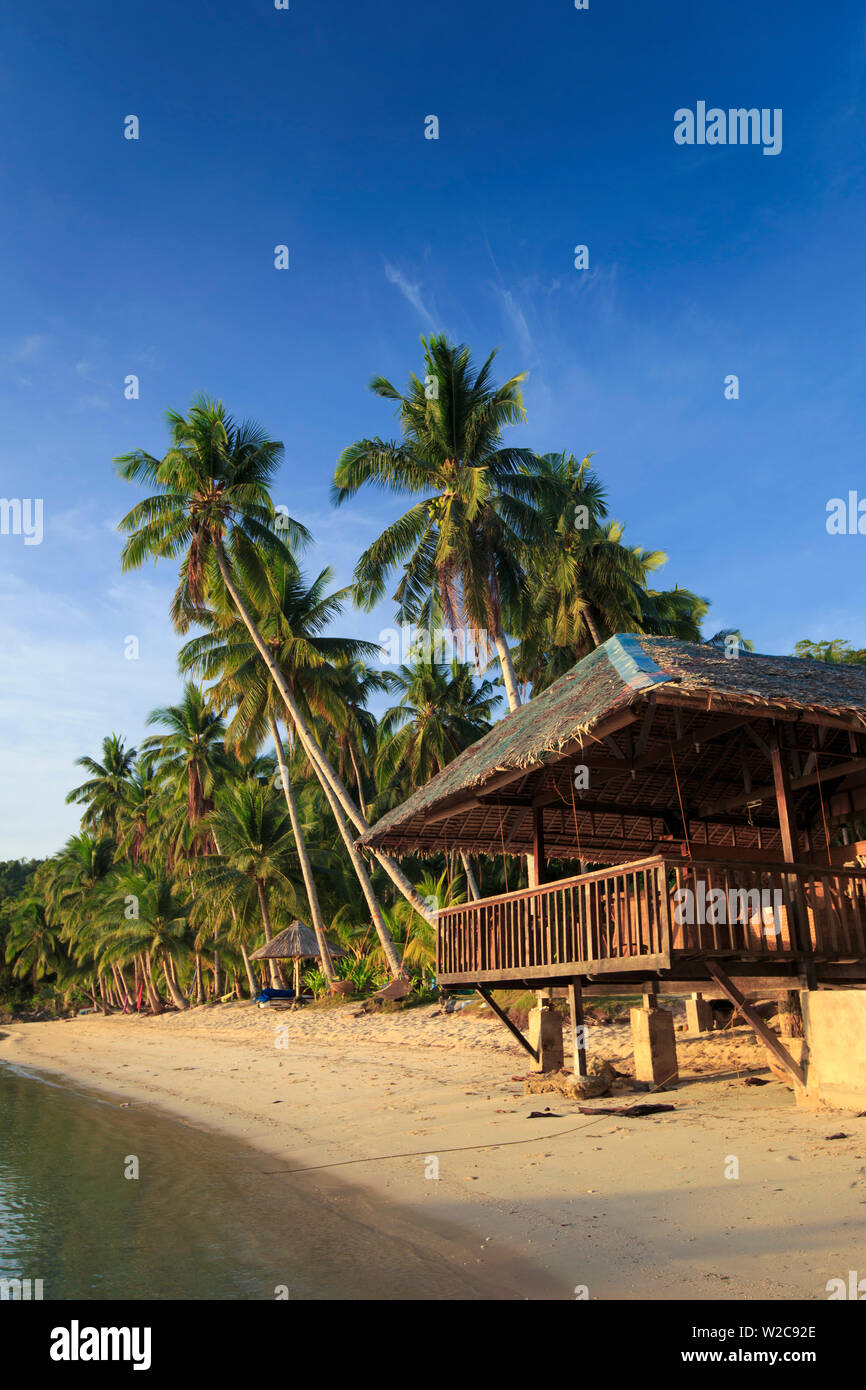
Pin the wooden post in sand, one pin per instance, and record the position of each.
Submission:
(578, 1029)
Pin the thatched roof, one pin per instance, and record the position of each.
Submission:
(653, 693)
(297, 942)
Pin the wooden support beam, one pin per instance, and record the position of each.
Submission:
(685, 742)
(538, 859)
(469, 803)
(578, 1029)
(758, 741)
(767, 1036)
(645, 726)
(512, 1027)
(784, 805)
(826, 774)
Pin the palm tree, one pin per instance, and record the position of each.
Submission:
(214, 508)
(156, 931)
(79, 870)
(355, 730)
(440, 712)
(105, 793)
(33, 943)
(587, 584)
(675, 612)
(190, 753)
(139, 810)
(291, 616)
(75, 885)
(257, 853)
(476, 515)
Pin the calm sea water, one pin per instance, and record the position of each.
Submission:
(204, 1220)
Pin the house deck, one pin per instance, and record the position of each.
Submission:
(661, 917)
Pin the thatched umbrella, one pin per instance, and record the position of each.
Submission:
(296, 943)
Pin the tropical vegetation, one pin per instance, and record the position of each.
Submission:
(239, 809)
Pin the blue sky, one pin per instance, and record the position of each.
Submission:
(305, 127)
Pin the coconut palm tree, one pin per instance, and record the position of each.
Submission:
(106, 791)
(139, 810)
(33, 943)
(77, 872)
(257, 856)
(440, 712)
(291, 616)
(477, 512)
(156, 930)
(587, 584)
(355, 731)
(190, 753)
(214, 508)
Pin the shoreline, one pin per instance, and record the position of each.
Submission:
(356, 1109)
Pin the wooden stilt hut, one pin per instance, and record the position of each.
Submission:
(296, 943)
(713, 799)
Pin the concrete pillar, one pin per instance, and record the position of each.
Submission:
(545, 1035)
(655, 1049)
(699, 1014)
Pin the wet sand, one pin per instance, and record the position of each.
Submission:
(370, 1108)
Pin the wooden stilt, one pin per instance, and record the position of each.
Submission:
(578, 1030)
(512, 1027)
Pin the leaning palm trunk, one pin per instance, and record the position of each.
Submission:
(363, 878)
(332, 786)
(176, 996)
(277, 980)
(306, 866)
(124, 987)
(589, 619)
(503, 651)
(471, 881)
(251, 979)
(153, 998)
(358, 783)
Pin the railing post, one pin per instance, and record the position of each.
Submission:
(664, 911)
(790, 843)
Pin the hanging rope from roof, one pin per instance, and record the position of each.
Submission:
(576, 826)
(823, 810)
(680, 799)
(502, 841)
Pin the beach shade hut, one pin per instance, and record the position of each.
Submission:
(691, 820)
(298, 942)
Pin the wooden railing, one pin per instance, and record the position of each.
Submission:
(767, 909)
(640, 915)
(596, 918)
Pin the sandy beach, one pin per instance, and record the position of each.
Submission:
(357, 1108)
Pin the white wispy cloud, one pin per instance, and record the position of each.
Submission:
(28, 348)
(411, 292)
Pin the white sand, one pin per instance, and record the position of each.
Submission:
(636, 1208)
